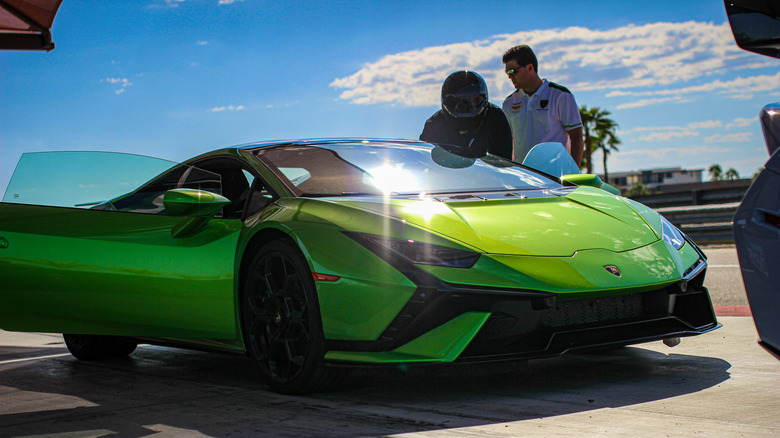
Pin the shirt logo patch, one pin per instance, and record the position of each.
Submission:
(517, 107)
(543, 103)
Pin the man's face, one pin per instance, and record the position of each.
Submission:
(521, 76)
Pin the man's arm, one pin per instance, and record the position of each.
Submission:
(577, 144)
(501, 144)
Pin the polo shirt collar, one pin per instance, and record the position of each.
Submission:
(541, 91)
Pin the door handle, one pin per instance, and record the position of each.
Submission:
(3, 243)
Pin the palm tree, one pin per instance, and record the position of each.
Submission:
(598, 133)
(588, 117)
(716, 173)
(608, 142)
(731, 174)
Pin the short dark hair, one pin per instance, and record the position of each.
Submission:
(523, 55)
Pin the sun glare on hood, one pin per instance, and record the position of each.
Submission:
(426, 208)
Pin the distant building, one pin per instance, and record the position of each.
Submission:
(655, 179)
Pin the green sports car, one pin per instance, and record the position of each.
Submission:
(314, 255)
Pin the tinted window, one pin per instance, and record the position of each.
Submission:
(79, 179)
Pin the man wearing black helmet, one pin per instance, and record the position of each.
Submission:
(467, 119)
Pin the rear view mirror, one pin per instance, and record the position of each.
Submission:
(756, 25)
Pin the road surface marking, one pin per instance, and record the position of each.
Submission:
(732, 311)
(27, 359)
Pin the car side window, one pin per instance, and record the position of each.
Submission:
(228, 177)
(149, 197)
(247, 193)
(260, 197)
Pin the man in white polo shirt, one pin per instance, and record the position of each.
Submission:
(539, 111)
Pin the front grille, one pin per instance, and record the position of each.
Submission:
(568, 313)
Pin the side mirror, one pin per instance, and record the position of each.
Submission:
(590, 180)
(583, 179)
(189, 202)
(770, 124)
(756, 25)
(197, 206)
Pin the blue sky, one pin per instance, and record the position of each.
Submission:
(176, 78)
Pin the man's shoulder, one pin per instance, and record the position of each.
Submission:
(494, 111)
(511, 95)
(437, 116)
(558, 87)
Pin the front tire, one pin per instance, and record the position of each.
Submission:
(281, 321)
(95, 347)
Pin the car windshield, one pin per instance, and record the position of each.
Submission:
(341, 169)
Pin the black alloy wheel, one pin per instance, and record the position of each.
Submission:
(281, 321)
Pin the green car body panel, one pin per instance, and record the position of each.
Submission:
(179, 276)
(94, 260)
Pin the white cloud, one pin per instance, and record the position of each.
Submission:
(176, 3)
(738, 137)
(642, 155)
(707, 124)
(646, 102)
(743, 122)
(668, 135)
(738, 88)
(692, 125)
(665, 133)
(122, 82)
(227, 108)
(624, 60)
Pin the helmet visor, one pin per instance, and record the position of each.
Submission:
(469, 101)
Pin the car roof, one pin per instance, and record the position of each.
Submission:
(328, 141)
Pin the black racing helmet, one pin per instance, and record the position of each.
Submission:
(464, 94)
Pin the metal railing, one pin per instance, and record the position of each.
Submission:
(705, 214)
(704, 224)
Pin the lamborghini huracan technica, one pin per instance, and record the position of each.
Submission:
(313, 255)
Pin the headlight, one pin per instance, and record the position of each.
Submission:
(420, 252)
(671, 234)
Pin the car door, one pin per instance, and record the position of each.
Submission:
(116, 268)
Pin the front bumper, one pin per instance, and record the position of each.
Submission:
(466, 324)
(452, 322)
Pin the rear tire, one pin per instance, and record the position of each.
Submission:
(281, 321)
(95, 347)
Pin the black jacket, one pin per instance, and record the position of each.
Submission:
(488, 132)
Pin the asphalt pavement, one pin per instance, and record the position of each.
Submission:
(724, 279)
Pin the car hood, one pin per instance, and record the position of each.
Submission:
(540, 223)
